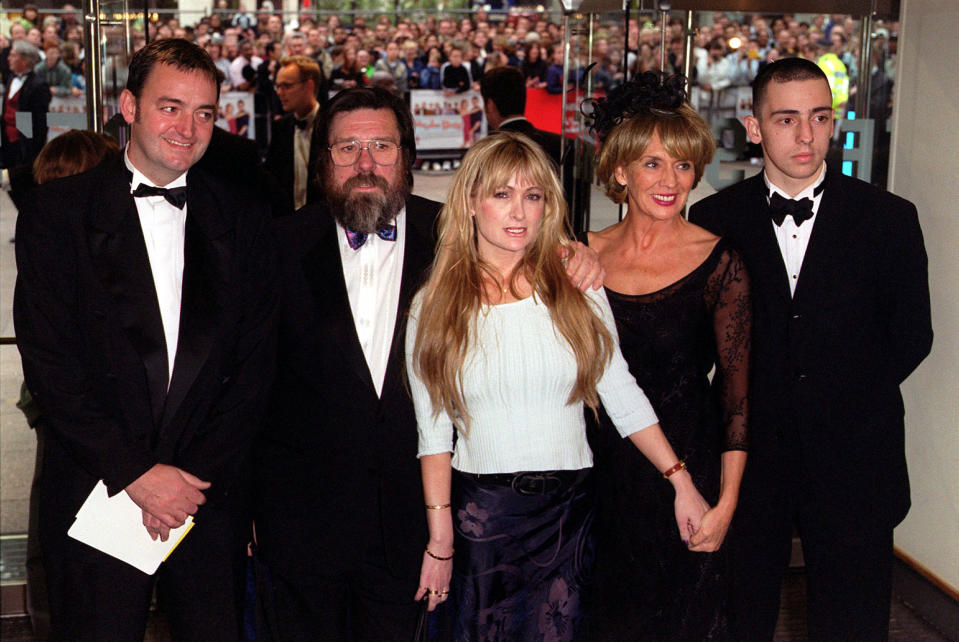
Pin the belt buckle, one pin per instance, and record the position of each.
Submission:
(535, 483)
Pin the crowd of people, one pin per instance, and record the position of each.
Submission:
(451, 53)
(391, 402)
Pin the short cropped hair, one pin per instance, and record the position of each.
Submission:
(683, 132)
(309, 69)
(369, 98)
(506, 87)
(784, 70)
(175, 52)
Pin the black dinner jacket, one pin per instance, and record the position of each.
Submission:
(91, 338)
(828, 362)
(34, 97)
(279, 163)
(336, 465)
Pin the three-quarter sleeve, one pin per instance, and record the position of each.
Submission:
(623, 399)
(732, 324)
(435, 430)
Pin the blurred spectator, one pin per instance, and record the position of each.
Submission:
(431, 76)
(30, 18)
(348, 74)
(712, 72)
(534, 66)
(555, 83)
(411, 58)
(395, 67)
(56, 73)
(456, 76)
(242, 68)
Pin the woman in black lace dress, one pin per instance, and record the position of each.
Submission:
(680, 296)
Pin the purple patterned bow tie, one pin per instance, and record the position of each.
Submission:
(357, 239)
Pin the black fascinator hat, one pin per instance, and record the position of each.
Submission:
(651, 91)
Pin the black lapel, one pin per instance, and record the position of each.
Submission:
(323, 270)
(420, 245)
(207, 257)
(767, 269)
(119, 257)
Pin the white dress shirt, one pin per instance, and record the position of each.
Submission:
(301, 158)
(517, 377)
(164, 232)
(373, 274)
(794, 239)
(16, 82)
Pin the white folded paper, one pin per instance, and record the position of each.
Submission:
(114, 525)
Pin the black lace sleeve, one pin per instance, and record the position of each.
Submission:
(732, 323)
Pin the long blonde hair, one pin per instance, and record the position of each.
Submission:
(454, 292)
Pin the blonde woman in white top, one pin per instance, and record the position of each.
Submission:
(503, 351)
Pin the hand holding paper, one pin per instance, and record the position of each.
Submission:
(167, 495)
(112, 525)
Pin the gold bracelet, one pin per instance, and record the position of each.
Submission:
(678, 466)
(437, 557)
(437, 506)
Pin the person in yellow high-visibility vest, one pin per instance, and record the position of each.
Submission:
(838, 78)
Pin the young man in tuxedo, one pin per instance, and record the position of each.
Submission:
(295, 149)
(144, 315)
(841, 317)
(339, 511)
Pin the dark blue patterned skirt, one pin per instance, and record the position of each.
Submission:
(523, 555)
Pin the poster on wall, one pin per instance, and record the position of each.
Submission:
(447, 122)
(236, 113)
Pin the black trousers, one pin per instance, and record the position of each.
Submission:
(200, 587)
(848, 565)
(358, 600)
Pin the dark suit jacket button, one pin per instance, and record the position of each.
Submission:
(111, 376)
(99, 314)
(796, 316)
(800, 377)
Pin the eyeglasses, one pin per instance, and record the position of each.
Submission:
(286, 86)
(347, 152)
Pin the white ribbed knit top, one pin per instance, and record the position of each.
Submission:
(517, 378)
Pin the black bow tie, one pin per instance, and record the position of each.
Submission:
(301, 123)
(175, 196)
(780, 208)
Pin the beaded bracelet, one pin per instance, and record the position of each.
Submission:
(437, 506)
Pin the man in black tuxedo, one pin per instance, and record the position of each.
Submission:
(144, 313)
(27, 92)
(841, 317)
(339, 516)
(339, 512)
(504, 101)
(295, 149)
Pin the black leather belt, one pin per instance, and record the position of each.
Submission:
(540, 482)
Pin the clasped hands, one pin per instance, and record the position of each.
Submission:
(701, 527)
(167, 495)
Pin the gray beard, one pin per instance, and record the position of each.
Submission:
(366, 213)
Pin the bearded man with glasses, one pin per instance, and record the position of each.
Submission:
(339, 510)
